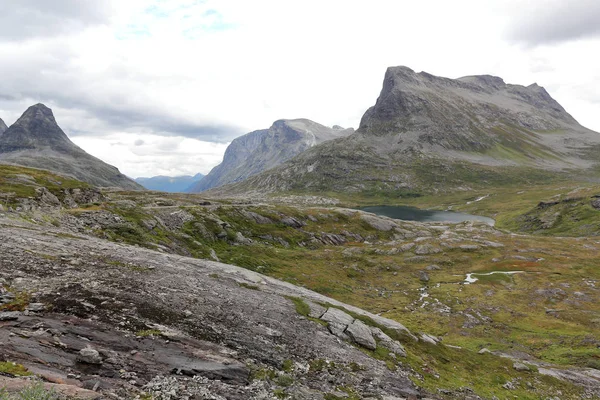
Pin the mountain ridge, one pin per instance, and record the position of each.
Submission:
(264, 149)
(171, 184)
(3, 126)
(434, 133)
(35, 140)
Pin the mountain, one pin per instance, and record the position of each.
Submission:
(264, 149)
(171, 184)
(36, 140)
(3, 126)
(433, 133)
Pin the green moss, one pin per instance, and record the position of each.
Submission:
(262, 374)
(287, 366)
(284, 380)
(14, 369)
(19, 303)
(301, 307)
(148, 332)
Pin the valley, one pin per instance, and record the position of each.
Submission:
(478, 335)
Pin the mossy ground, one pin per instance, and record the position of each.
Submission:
(20, 182)
(511, 312)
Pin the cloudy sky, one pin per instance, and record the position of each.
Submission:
(162, 86)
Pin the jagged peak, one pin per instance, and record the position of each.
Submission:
(402, 69)
(38, 111)
(3, 126)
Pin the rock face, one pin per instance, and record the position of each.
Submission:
(36, 140)
(267, 148)
(429, 132)
(467, 114)
(126, 318)
(171, 184)
(3, 126)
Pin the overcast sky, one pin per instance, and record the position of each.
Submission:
(159, 87)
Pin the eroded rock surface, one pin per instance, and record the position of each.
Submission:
(120, 320)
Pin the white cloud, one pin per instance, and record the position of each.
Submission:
(555, 21)
(212, 70)
(149, 155)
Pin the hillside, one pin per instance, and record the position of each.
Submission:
(36, 140)
(428, 133)
(264, 149)
(170, 184)
(146, 293)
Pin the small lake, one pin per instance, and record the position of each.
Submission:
(416, 214)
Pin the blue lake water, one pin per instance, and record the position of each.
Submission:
(416, 214)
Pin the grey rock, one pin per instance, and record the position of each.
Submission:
(378, 223)
(387, 342)
(9, 315)
(423, 276)
(46, 197)
(596, 203)
(427, 338)
(239, 238)
(485, 350)
(361, 334)
(425, 249)
(36, 307)
(316, 310)
(292, 222)
(518, 366)
(213, 255)
(338, 330)
(259, 219)
(89, 356)
(335, 315)
(433, 267)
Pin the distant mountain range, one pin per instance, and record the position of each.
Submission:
(264, 149)
(429, 133)
(3, 126)
(171, 184)
(37, 141)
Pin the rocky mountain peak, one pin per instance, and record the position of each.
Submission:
(36, 128)
(454, 113)
(36, 140)
(3, 126)
(264, 149)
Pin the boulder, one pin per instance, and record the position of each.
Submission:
(425, 249)
(378, 223)
(9, 315)
(518, 366)
(385, 341)
(427, 338)
(361, 334)
(334, 315)
(89, 356)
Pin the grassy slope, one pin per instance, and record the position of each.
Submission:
(369, 278)
(21, 182)
(551, 312)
